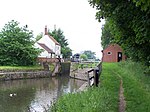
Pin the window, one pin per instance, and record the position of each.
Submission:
(109, 53)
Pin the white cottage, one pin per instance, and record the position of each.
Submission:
(51, 48)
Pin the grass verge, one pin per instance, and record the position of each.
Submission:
(105, 98)
(96, 99)
(136, 87)
(21, 67)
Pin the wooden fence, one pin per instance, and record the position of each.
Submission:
(86, 75)
(94, 80)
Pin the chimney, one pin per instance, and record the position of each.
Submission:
(46, 32)
(54, 27)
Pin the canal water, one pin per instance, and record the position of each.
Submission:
(34, 94)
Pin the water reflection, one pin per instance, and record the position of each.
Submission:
(35, 94)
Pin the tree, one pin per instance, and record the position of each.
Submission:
(144, 4)
(89, 54)
(59, 36)
(16, 45)
(107, 36)
(129, 23)
(38, 37)
(83, 56)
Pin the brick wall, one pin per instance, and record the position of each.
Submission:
(52, 60)
(110, 54)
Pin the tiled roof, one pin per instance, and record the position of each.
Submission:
(46, 48)
(112, 45)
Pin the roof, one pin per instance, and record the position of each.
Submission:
(113, 46)
(110, 45)
(52, 38)
(46, 48)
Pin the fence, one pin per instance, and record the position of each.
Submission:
(94, 80)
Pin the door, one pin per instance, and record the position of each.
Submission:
(119, 56)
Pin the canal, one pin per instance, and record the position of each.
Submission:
(34, 94)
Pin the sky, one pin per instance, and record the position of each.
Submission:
(76, 18)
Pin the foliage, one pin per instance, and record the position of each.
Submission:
(83, 56)
(129, 24)
(106, 37)
(66, 51)
(38, 37)
(59, 36)
(105, 97)
(76, 66)
(144, 4)
(89, 54)
(16, 45)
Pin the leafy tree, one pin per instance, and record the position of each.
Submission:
(89, 54)
(16, 45)
(83, 56)
(144, 4)
(59, 36)
(38, 37)
(107, 36)
(129, 23)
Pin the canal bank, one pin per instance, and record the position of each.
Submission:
(15, 74)
(5, 76)
(38, 92)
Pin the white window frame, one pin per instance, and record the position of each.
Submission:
(109, 53)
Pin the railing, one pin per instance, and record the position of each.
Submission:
(94, 80)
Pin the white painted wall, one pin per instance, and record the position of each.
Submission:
(44, 53)
(57, 50)
(48, 42)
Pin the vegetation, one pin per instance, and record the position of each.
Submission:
(107, 37)
(21, 67)
(76, 66)
(83, 57)
(17, 46)
(136, 87)
(128, 24)
(89, 54)
(105, 97)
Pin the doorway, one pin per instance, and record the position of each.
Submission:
(119, 56)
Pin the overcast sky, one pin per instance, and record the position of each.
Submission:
(76, 18)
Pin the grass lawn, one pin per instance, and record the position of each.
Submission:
(21, 67)
(136, 87)
(105, 98)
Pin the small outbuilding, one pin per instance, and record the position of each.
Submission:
(113, 53)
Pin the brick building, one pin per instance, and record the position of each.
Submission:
(113, 53)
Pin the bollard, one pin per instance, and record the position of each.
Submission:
(96, 76)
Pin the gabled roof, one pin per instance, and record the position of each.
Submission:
(53, 40)
(110, 45)
(46, 48)
(114, 46)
